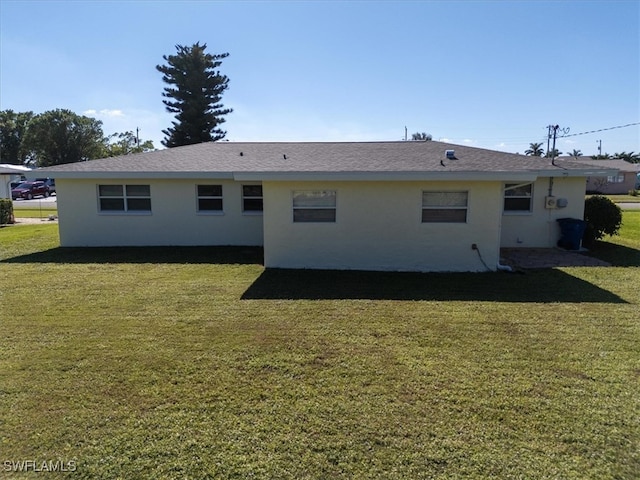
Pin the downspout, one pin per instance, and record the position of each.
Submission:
(550, 232)
(504, 268)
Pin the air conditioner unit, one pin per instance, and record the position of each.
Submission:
(550, 202)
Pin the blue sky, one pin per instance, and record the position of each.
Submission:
(490, 74)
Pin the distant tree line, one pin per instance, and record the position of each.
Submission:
(536, 150)
(60, 136)
(421, 137)
(630, 157)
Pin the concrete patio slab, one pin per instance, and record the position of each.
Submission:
(528, 258)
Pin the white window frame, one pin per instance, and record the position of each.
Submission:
(313, 205)
(511, 186)
(445, 206)
(615, 179)
(125, 196)
(246, 197)
(205, 211)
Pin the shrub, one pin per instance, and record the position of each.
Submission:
(602, 216)
(634, 193)
(6, 211)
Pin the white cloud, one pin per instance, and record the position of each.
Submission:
(105, 112)
(112, 113)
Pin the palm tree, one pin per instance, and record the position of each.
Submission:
(628, 157)
(576, 153)
(421, 136)
(555, 153)
(535, 150)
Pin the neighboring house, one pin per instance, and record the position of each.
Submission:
(8, 174)
(412, 206)
(621, 183)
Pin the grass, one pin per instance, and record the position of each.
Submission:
(31, 212)
(623, 250)
(198, 363)
(622, 198)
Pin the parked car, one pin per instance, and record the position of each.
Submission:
(28, 190)
(49, 182)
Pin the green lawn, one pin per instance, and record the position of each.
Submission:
(198, 363)
(622, 198)
(33, 212)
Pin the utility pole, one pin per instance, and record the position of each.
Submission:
(555, 129)
(599, 148)
(138, 137)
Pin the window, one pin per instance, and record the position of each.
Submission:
(444, 207)
(314, 206)
(124, 198)
(517, 197)
(615, 179)
(252, 198)
(209, 198)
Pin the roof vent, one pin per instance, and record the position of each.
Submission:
(450, 154)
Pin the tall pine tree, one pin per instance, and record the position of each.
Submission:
(194, 93)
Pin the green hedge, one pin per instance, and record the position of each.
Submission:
(6, 211)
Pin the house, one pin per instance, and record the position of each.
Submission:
(621, 183)
(407, 206)
(8, 174)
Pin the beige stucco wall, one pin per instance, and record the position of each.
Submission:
(539, 228)
(601, 185)
(173, 221)
(378, 224)
(5, 190)
(378, 227)
(5, 183)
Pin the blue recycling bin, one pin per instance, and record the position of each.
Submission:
(571, 232)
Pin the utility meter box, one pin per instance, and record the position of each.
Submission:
(550, 202)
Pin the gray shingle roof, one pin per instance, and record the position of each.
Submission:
(618, 164)
(9, 169)
(267, 159)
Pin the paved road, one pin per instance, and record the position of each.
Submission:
(629, 206)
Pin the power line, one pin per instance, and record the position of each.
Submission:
(600, 130)
(517, 141)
